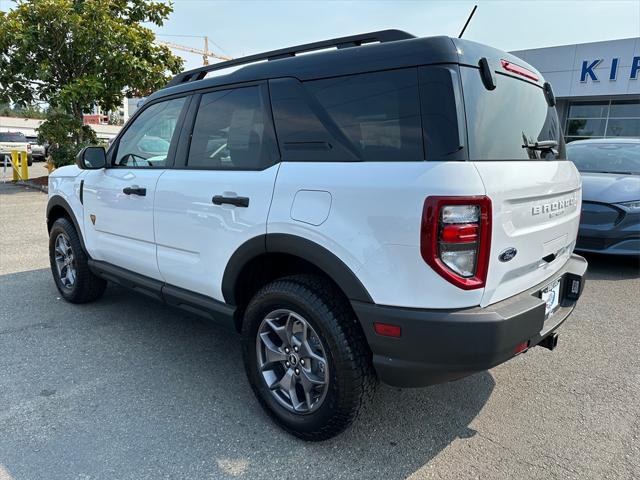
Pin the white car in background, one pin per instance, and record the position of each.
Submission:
(10, 141)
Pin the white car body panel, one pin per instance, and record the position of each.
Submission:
(7, 147)
(123, 233)
(196, 238)
(374, 223)
(65, 183)
(516, 189)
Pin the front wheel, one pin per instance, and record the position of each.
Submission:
(69, 265)
(306, 356)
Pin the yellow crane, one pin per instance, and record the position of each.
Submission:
(206, 53)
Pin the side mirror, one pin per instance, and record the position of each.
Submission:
(91, 158)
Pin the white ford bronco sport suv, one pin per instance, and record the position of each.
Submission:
(394, 208)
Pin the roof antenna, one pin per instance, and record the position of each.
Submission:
(468, 20)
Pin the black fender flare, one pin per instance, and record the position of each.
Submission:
(306, 249)
(58, 201)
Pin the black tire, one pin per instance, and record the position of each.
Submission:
(352, 380)
(86, 287)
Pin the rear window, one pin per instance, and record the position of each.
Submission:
(605, 157)
(12, 137)
(501, 121)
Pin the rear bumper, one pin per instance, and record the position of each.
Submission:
(441, 345)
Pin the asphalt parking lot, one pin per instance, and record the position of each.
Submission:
(127, 388)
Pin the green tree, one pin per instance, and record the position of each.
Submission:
(27, 111)
(75, 54)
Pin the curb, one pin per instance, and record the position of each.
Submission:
(27, 183)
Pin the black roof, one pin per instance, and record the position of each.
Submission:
(354, 54)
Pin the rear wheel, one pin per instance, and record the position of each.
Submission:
(306, 356)
(69, 266)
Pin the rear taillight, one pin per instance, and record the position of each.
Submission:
(455, 238)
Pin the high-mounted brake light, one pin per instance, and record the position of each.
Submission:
(518, 70)
(455, 238)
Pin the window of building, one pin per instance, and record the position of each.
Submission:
(612, 118)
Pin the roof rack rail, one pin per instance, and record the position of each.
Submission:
(381, 36)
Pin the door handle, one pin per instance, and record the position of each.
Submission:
(236, 201)
(134, 191)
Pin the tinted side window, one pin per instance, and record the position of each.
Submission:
(378, 112)
(442, 113)
(305, 133)
(146, 141)
(230, 131)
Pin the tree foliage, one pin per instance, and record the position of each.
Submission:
(55, 131)
(75, 54)
(27, 111)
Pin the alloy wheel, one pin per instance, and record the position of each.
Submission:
(292, 361)
(65, 261)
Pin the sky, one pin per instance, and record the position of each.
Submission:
(240, 27)
(243, 27)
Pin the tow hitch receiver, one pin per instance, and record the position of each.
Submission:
(550, 341)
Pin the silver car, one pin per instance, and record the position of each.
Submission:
(38, 152)
(610, 169)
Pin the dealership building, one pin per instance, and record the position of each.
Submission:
(597, 86)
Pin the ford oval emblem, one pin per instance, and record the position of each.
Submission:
(507, 254)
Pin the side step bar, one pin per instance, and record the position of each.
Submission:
(207, 307)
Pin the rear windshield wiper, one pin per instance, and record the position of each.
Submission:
(543, 145)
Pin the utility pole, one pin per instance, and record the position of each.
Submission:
(205, 56)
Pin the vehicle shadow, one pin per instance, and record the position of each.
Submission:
(129, 388)
(612, 267)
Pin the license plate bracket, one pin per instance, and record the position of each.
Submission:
(551, 296)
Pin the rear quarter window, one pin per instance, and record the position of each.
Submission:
(378, 112)
(501, 121)
(442, 112)
(371, 117)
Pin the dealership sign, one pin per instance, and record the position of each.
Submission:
(588, 69)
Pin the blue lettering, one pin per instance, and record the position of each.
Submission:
(613, 73)
(635, 67)
(587, 69)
